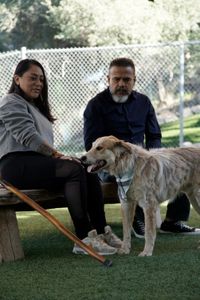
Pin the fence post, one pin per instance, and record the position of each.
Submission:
(23, 52)
(181, 103)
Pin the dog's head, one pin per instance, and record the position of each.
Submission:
(105, 154)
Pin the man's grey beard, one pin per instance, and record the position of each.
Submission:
(120, 99)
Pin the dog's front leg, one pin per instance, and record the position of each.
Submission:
(150, 229)
(128, 212)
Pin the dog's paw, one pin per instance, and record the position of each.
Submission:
(123, 251)
(145, 253)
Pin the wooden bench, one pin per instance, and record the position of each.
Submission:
(10, 242)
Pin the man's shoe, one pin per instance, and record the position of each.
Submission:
(178, 227)
(97, 243)
(138, 228)
(111, 239)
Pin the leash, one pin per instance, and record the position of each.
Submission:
(55, 222)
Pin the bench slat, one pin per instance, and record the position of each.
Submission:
(8, 198)
(51, 199)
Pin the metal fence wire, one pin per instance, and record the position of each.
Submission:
(167, 73)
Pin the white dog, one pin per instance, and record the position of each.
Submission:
(146, 178)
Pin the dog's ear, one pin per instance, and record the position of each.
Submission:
(122, 148)
(113, 138)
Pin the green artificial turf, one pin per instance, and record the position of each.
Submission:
(50, 270)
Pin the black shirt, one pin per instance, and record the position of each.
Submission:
(133, 121)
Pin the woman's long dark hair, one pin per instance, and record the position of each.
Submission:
(42, 102)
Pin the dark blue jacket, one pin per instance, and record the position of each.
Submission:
(133, 121)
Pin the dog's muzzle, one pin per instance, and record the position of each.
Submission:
(95, 166)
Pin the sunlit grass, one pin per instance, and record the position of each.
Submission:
(170, 131)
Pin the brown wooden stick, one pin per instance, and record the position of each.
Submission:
(55, 222)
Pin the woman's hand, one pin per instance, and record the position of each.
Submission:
(57, 154)
(70, 158)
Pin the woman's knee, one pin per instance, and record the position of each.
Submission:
(69, 168)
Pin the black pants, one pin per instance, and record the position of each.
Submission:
(82, 191)
(179, 209)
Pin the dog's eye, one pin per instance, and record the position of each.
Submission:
(99, 148)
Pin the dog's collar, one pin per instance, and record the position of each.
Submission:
(123, 183)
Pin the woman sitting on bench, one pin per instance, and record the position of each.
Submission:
(28, 159)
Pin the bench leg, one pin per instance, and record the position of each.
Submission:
(10, 243)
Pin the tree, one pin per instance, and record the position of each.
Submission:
(75, 23)
(25, 23)
(108, 22)
(7, 23)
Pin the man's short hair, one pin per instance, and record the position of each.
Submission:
(122, 62)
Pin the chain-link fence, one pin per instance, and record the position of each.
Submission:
(167, 73)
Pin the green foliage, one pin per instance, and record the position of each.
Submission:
(7, 24)
(74, 21)
(110, 23)
(24, 23)
(66, 23)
